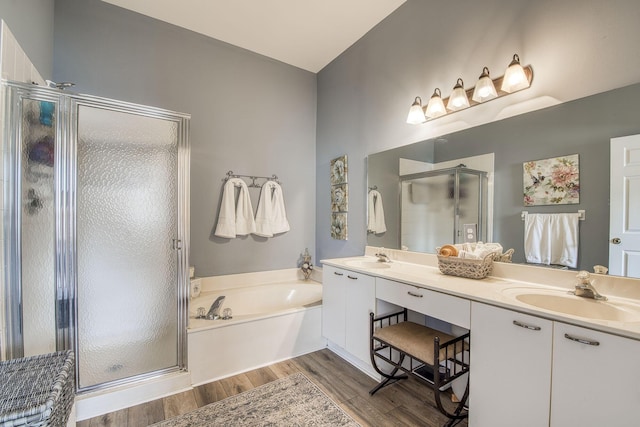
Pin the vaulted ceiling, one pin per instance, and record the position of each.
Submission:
(305, 34)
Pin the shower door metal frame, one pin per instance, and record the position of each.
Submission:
(65, 224)
(455, 171)
(14, 94)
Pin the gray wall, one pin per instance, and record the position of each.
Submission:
(364, 95)
(31, 22)
(250, 114)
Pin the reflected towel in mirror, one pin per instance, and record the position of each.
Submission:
(375, 222)
(551, 239)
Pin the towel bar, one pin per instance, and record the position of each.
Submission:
(581, 212)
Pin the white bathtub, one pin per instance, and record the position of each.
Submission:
(271, 322)
(252, 302)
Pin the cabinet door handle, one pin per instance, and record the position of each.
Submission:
(526, 326)
(352, 278)
(338, 274)
(414, 294)
(581, 340)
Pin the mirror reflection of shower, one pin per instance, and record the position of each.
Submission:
(435, 205)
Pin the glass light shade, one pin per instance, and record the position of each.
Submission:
(514, 78)
(458, 98)
(484, 90)
(416, 113)
(435, 107)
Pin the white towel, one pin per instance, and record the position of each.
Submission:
(375, 222)
(551, 239)
(235, 219)
(264, 214)
(279, 223)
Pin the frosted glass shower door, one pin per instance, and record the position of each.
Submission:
(427, 213)
(126, 229)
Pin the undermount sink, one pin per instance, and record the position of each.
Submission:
(368, 264)
(563, 302)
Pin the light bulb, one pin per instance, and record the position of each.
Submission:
(435, 107)
(416, 113)
(484, 90)
(514, 78)
(458, 99)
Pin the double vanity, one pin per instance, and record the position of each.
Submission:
(540, 356)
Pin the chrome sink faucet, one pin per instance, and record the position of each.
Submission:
(214, 311)
(382, 257)
(585, 288)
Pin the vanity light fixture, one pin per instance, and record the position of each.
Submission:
(435, 107)
(416, 113)
(516, 78)
(484, 90)
(458, 99)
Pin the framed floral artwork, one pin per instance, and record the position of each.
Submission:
(339, 170)
(554, 181)
(339, 226)
(339, 198)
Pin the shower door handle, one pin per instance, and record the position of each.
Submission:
(177, 244)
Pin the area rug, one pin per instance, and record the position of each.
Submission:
(290, 401)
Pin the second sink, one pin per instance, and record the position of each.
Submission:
(562, 302)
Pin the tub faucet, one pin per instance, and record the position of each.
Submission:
(214, 311)
(585, 288)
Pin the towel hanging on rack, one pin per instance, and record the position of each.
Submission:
(271, 217)
(280, 223)
(375, 222)
(235, 219)
(551, 239)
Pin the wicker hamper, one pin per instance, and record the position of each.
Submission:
(37, 390)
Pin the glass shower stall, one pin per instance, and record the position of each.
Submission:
(95, 233)
(436, 205)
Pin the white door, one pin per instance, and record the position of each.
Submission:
(624, 217)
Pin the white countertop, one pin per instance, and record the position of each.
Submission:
(421, 270)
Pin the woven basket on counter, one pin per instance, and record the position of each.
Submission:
(463, 267)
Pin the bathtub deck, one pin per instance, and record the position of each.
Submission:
(407, 403)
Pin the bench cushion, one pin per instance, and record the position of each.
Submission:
(414, 339)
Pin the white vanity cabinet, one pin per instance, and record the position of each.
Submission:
(510, 368)
(596, 378)
(347, 299)
(530, 371)
(333, 305)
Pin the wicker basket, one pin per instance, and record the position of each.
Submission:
(37, 390)
(469, 268)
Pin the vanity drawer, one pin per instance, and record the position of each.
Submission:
(434, 304)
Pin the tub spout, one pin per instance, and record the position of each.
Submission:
(214, 311)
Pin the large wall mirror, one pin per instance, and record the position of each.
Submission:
(584, 127)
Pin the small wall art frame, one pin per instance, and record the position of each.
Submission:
(554, 181)
(338, 175)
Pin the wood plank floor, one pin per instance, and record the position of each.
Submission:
(406, 403)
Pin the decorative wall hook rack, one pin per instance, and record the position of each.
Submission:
(253, 178)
